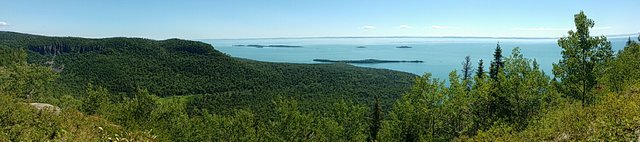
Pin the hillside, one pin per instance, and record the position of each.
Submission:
(177, 67)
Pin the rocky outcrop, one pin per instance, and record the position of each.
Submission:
(46, 107)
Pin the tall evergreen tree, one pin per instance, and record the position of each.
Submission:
(497, 63)
(376, 120)
(581, 56)
(480, 70)
(467, 68)
(467, 71)
(498, 105)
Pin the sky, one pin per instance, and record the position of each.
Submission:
(225, 19)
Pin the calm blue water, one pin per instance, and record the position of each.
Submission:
(440, 55)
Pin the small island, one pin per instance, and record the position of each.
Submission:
(361, 47)
(404, 47)
(366, 61)
(262, 46)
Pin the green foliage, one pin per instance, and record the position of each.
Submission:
(376, 120)
(415, 116)
(623, 70)
(239, 126)
(615, 118)
(582, 59)
(12, 57)
(480, 71)
(467, 73)
(497, 63)
(97, 100)
(434, 112)
(19, 121)
(526, 89)
(23, 80)
(352, 118)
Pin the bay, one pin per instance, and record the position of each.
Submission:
(440, 55)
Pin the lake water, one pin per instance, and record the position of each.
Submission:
(440, 55)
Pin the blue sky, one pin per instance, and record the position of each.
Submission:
(193, 19)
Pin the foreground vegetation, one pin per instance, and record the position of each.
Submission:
(174, 90)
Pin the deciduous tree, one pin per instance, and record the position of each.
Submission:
(582, 56)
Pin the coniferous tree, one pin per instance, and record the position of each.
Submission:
(467, 71)
(498, 105)
(581, 56)
(376, 120)
(497, 63)
(480, 70)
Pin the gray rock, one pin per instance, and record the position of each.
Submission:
(47, 107)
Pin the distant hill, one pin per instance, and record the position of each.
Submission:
(176, 67)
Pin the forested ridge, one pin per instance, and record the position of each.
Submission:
(133, 89)
(178, 67)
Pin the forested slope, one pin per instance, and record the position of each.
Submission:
(177, 67)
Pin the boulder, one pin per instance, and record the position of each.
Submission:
(46, 107)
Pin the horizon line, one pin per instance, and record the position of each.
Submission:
(328, 37)
(478, 37)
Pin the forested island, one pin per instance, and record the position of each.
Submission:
(135, 89)
(366, 61)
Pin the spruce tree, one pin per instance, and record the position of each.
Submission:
(467, 71)
(498, 103)
(466, 68)
(376, 120)
(497, 63)
(480, 70)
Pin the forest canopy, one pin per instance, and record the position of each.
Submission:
(133, 89)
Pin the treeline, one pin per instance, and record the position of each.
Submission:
(594, 95)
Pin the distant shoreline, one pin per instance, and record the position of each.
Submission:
(366, 61)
